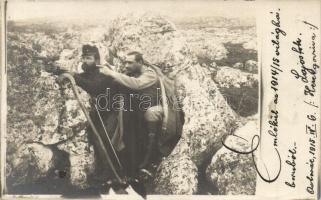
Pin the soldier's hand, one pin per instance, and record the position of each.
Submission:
(62, 77)
(106, 71)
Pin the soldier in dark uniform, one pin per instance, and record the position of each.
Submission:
(95, 84)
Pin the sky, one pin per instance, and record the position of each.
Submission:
(176, 9)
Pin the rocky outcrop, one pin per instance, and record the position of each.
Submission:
(239, 88)
(225, 43)
(208, 49)
(28, 163)
(43, 119)
(233, 173)
(249, 66)
(227, 77)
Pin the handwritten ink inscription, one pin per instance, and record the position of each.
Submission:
(291, 162)
(306, 72)
(307, 75)
(277, 33)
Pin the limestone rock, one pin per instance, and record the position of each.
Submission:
(228, 77)
(81, 159)
(212, 51)
(238, 65)
(239, 88)
(205, 46)
(252, 45)
(251, 66)
(73, 125)
(29, 163)
(42, 114)
(213, 65)
(182, 183)
(33, 99)
(233, 173)
(69, 59)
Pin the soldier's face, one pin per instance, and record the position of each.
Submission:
(89, 60)
(131, 65)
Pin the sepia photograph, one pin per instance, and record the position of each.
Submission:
(130, 98)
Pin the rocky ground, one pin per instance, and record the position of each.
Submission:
(214, 64)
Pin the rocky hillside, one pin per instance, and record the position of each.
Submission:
(215, 71)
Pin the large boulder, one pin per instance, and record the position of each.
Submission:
(208, 118)
(233, 173)
(28, 163)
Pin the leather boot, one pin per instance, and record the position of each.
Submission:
(151, 146)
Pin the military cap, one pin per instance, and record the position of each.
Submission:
(90, 50)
